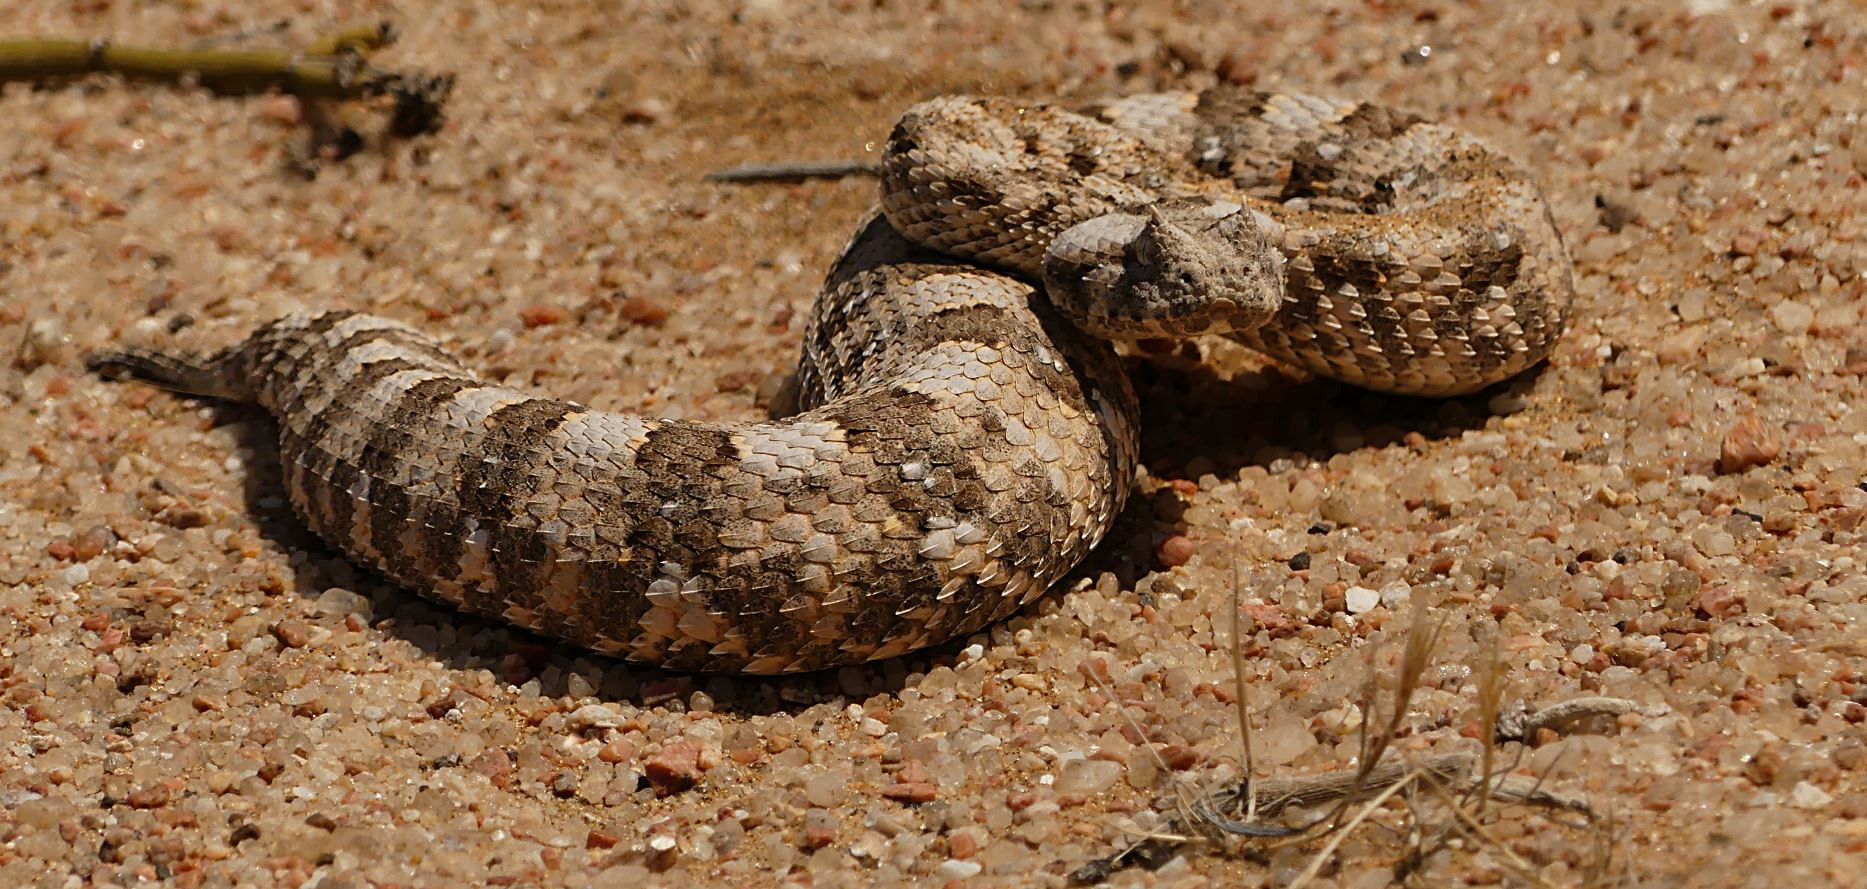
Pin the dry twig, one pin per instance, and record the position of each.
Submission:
(333, 67)
(795, 171)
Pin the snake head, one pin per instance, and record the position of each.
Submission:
(1177, 268)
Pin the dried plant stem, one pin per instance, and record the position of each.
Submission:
(1490, 703)
(331, 67)
(795, 171)
(221, 70)
(1239, 689)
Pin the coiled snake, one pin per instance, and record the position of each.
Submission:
(962, 442)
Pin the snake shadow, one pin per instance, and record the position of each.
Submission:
(1221, 409)
(1199, 419)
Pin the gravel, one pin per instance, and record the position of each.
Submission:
(194, 691)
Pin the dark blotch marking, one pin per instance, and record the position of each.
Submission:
(1332, 269)
(891, 427)
(680, 465)
(1479, 271)
(1228, 101)
(1002, 329)
(391, 444)
(325, 438)
(968, 192)
(417, 352)
(1218, 109)
(1310, 173)
(1377, 122)
(274, 365)
(495, 488)
(1313, 176)
(899, 142)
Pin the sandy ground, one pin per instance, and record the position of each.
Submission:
(196, 691)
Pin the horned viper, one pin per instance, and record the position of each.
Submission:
(966, 433)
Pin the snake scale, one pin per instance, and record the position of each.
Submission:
(966, 433)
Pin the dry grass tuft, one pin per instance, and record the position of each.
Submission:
(1419, 814)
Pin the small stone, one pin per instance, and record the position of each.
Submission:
(154, 796)
(1176, 551)
(282, 109)
(565, 785)
(675, 768)
(911, 791)
(183, 517)
(92, 543)
(647, 109)
(1682, 347)
(1807, 796)
(1089, 776)
(963, 844)
(1240, 66)
(493, 763)
(1005, 856)
(340, 602)
(617, 750)
(1792, 317)
(955, 869)
(293, 633)
(728, 835)
(1748, 443)
(1694, 305)
(1614, 215)
(1360, 599)
(1719, 600)
(1745, 367)
(599, 839)
(1179, 757)
(147, 630)
(1333, 596)
(594, 715)
(540, 316)
(643, 311)
(824, 789)
(820, 826)
(1269, 618)
(1504, 404)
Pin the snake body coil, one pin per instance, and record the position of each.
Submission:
(962, 445)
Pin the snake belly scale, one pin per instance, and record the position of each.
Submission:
(962, 442)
